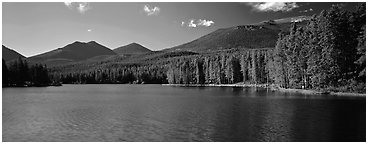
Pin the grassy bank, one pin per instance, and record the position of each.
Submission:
(273, 87)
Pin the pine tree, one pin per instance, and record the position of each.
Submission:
(280, 74)
(361, 52)
(200, 77)
(5, 74)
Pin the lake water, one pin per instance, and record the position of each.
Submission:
(164, 113)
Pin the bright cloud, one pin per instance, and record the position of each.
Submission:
(196, 23)
(82, 7)
(151, 10)
(206, 23)
(89, 30)
(192, 24)
(68, 4)
(273, 6)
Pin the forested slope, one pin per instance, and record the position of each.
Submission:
(324, 52)
(9, 54)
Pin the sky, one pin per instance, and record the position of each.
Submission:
(36, 27)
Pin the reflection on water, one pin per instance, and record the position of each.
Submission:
(160, 113)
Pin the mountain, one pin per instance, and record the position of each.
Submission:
(232, 39)
(259, 35)
(235, 41)
(132, 48)
(9, 54)
(76, 51)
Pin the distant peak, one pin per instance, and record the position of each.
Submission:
(92, 42)
(77, 42)
(132, 48)
(134, 44)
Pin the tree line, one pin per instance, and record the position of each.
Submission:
(219, 68)
(19, 74)
(112, 74)
(248, 66)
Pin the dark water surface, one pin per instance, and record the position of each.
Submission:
(164, 113)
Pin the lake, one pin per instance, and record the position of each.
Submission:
(165, 113)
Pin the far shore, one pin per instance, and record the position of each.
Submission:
(33, 85)
(272, 87)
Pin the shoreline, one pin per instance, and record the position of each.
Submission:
(274, 88)
(26, 86)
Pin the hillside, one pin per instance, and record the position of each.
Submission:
(243, 53)
(235, 39)
(76, 51)
(259, 35)
(132, 48)
(9, 54)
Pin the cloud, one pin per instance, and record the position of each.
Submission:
(273, 6)
(196, 23)
(82, 7)
(89, 30)
(68, 4)
(151, 10)
(192, 24)
(206, 23)
(307, 10)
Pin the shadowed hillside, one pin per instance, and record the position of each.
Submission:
(76, 51)
(132, 48)
(9, 54)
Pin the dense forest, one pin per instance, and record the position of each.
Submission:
(249, 66)
(19, 74)
(326, 53)
(329, 52)
(114, 74)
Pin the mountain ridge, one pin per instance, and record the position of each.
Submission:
(132, 48)
(251, 36)
(259, 35)
(9, 54)
(75, 51)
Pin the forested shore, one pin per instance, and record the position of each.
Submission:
(327, 54)
(20, 74)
